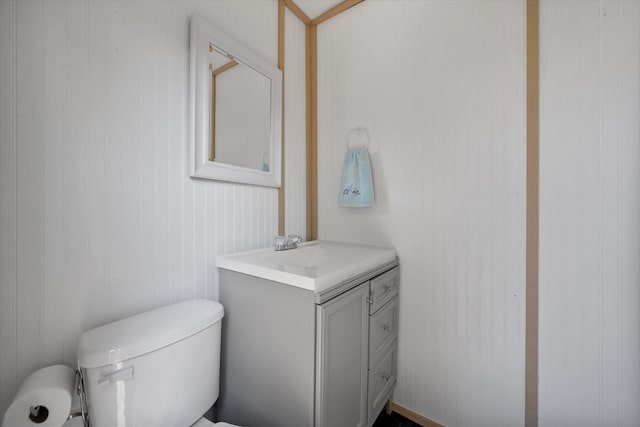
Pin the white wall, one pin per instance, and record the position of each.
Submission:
(441, 87)
(295, 130)
(590, 213)
(98, 217)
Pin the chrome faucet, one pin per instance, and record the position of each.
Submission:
(289, 242)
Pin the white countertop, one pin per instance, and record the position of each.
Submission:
(316, 265)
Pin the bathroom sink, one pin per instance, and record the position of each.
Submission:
(315, 265)
(314, 254)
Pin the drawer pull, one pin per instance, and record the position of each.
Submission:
(387, 288)
(387, 328)
(369, 300)
(386, 377)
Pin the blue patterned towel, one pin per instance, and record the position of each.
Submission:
(356, 185)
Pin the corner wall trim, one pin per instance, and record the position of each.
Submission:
(312, 131)
(533, 198)
(416, 418)
(311, 46)
(281, 198)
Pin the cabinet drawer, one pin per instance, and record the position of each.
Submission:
(383, 330)
(381, 380)
(383, 288)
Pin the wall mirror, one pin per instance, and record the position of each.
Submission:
(236, 110)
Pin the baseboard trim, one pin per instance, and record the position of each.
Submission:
(416, 418)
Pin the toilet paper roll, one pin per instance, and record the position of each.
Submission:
(44, 399)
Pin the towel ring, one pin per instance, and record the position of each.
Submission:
(359, 131)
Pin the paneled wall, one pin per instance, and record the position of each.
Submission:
(98, 217)
(295, 136)
(440, 85)
(590, 213)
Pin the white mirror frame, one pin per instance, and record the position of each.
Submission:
(203, 33)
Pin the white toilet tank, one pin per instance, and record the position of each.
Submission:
(158, 368)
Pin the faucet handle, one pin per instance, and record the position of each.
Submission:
(290, 242)
(295, 238)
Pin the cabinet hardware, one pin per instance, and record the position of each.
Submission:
(387, 288)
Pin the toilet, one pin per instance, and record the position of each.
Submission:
(158, 368)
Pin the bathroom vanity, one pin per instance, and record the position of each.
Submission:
(309, 335)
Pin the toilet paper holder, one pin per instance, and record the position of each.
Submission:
(84, 410)
(40, 413)
(49, 396)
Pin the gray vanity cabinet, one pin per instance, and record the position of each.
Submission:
(383, 343)
(341, 368)
(297, 357)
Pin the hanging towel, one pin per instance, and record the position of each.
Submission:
(356, 185)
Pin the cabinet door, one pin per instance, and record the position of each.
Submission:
(341, 365)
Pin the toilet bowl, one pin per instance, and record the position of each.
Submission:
(158, 368)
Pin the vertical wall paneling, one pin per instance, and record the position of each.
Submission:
(76, 135)
(96, 310)
(8, 207)
(30, 70)
(54, 167)
(132, 73)
(295, 114)
(589, 210)
(117, 248)
(98, 216)
(448, 153)
(629, 212)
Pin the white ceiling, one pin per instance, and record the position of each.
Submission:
(315, 8)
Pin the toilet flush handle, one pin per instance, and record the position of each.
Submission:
(124, 374)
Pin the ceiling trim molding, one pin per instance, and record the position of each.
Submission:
(297, 11)
(347, 4)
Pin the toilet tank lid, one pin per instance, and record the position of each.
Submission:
(146, 332)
